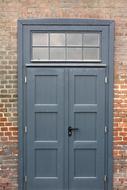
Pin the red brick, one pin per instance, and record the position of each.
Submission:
(13, 129)
(4, 129)
(8, 134)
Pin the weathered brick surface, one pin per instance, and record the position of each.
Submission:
(10, 11)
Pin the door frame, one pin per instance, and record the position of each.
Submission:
(24, 25)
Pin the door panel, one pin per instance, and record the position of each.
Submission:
(86, 145)
(45, 121)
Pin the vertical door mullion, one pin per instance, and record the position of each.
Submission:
(71, 123)
(66, 143)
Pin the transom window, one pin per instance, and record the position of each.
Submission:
(66, 46)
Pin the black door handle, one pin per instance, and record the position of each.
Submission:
(70, 129)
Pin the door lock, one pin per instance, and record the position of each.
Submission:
(70, 129)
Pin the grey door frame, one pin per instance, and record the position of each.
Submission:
(23, 61)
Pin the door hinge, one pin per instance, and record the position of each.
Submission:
(25, 129)
(106, 129)
(25, 79)
(105, 178)
(25, 179)
(106, 79)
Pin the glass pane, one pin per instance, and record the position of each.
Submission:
(57, 39)
(40, 39)
(74, 53)
(91, 53)
(74, 39)
(40, 53)
(57, 53)
(91, 39)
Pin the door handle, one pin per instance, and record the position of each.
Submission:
(70, 129)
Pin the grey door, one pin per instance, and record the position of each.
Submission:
(59, 98)
(45, 119)
(86, 113)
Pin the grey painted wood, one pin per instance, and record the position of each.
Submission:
(66, 21)
(45, 122)
(86, 112)
(55, 160)
(109, 108)
(71, 64)
(20, 108)
(25, 28)
(66, 177)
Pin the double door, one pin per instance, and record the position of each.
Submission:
(65, 141)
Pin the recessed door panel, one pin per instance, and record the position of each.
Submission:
(87, 158)
(48, 167)
(86, 122)
(85, 89)
(46, 126)
(45, 89)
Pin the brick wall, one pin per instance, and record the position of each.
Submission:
(10, 11)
